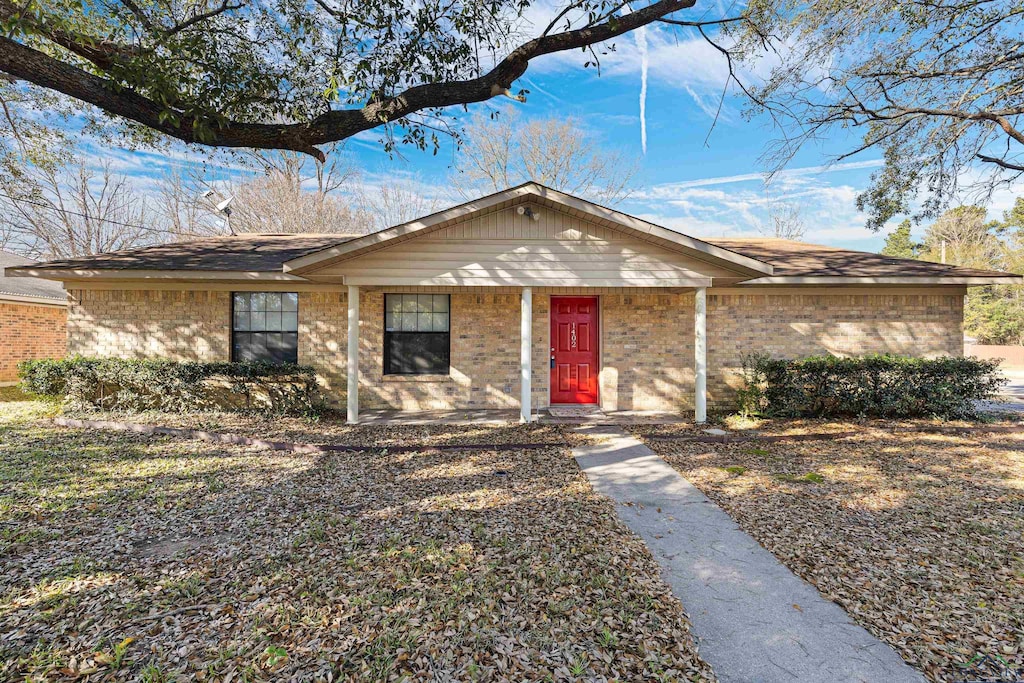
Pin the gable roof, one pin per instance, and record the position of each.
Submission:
(545, 196)
(288, 258)
(23, 289)
(795, 262)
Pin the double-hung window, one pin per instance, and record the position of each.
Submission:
(417, 340)
(265, 327)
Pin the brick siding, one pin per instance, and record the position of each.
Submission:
(647, 352)
(126, 323)
(647, 338)
(798, 325)
(484, 331)
(29, 332)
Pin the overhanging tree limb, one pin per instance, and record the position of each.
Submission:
(27, 63)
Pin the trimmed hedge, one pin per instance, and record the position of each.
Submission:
(875, 386)
(134, 385)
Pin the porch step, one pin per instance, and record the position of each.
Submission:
(576, 411)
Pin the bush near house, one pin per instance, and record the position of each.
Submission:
(134, 385)
(877, 386)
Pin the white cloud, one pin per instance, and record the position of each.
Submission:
(741, 205)
(668, 189)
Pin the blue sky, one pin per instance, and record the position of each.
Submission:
(689, 181)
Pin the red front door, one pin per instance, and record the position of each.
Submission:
(574, 348)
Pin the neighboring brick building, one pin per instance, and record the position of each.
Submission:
(32, 319)
(525, 298)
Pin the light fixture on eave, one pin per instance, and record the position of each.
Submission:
(528, 212)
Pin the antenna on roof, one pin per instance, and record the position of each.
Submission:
(222, 207)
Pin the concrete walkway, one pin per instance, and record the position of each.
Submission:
(754, 620)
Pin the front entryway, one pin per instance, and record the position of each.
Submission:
(575, 344)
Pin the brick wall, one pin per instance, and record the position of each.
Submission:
(173, 324)
(29, 332)
(195, 325)
(647, 352)
(323, 331)
(647, 338)
(796, 325)
(484, 354)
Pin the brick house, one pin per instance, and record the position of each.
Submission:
(32, 319)
(523, 299)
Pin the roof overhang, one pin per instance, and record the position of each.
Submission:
(970, 281)
(29, 300)
(69, 274)
(631, 224)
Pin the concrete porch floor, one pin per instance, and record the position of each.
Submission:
(423, 417)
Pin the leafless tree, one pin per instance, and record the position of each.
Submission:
(786, 221)
(935, 88)
(181, 207)
(393, 202)
(503, 151)
(289, 193)
(56, 211)
(964, 237)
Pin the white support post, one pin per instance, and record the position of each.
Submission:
(525, 355)
(700, 353)
(352, 361)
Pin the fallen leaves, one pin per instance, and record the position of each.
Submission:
(918, 535)
(138, 557)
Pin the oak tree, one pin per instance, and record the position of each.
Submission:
(935, 86)
(296, 75)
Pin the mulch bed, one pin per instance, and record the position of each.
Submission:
(916, 529)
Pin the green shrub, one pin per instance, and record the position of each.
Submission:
(876, 386)
(134, 385)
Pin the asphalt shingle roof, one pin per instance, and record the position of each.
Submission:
(268, 253)
(248, 253)
(791, 259)
(26, 286)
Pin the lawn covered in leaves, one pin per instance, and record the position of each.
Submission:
(128, 557)
(919, 536)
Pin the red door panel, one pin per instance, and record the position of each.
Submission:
(583, 333)
(574, 349)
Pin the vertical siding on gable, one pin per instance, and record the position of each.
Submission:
(503, 248)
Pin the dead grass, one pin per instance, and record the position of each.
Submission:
(156, 558)
(919, 536)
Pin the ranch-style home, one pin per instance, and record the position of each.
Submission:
(527, 298)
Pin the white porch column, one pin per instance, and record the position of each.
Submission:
(700, 353)
(352, 362)
(525, 355)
